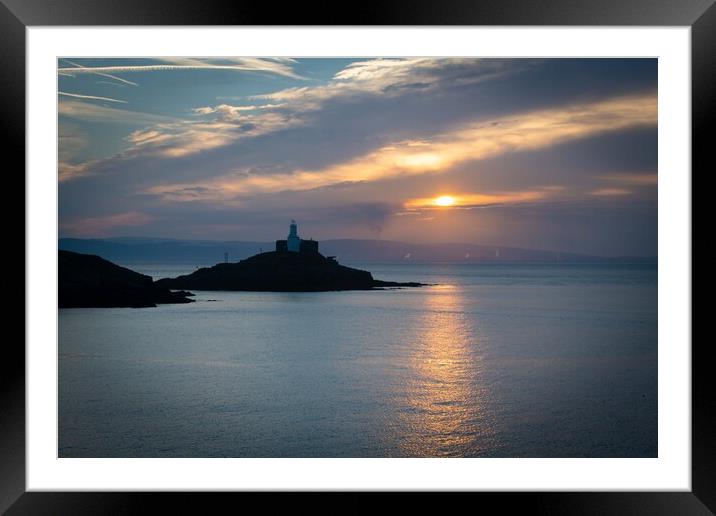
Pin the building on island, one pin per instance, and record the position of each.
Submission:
(295, 244)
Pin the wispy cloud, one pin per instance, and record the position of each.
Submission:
(392, 77)
(440, 153)
(67, 171)
(472, 200)
(71, 142)
(80, 110)
(100, 226)
(610, 192)
(227, 112)
(182, 138)
(646, 179)
(188, 139)
(225, 123)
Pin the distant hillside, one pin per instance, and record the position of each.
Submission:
(151, 250)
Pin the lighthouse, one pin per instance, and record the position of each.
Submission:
(295, 244)
(293, 241)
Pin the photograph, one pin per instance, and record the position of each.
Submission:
(359, 256)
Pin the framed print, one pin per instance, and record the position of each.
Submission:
(447, 250)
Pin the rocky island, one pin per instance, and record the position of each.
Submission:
(295, 266)
(280, 272)
(88, 281)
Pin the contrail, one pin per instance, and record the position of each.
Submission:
(92, 97)
(97, 73)
(158, 68)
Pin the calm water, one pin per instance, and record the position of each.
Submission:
(495, 361)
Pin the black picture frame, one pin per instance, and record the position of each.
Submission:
(16, 15)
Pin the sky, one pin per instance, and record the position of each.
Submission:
(554, 154)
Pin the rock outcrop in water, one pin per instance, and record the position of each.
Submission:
(280, 272)
(88, 281)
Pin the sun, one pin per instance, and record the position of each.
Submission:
(445, 200)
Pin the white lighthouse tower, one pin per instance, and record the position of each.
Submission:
(293, 242)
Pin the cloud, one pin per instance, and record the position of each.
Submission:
(391, 77)
(100, 226)
(231, 123)
(610, 192)
(80, 110)
(227, 112)
(225, 124)
(183, 138)
(646, 179)
(71, 141)
(469, 200)
(67, 171)
(440, 153)
(221, 125)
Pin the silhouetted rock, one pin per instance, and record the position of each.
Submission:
(280, 272)
(88, 281)
(395, 284)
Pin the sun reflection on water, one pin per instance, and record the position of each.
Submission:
(444, 405)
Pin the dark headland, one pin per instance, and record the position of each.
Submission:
(295, 266)
(281, 271)
(88, 281)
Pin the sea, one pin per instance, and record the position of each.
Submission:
(490, 360)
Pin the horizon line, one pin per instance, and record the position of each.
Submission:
(622, 256)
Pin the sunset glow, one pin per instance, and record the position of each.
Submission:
(419, 149)
(445, 200)
(474, 200)
(439, 154)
